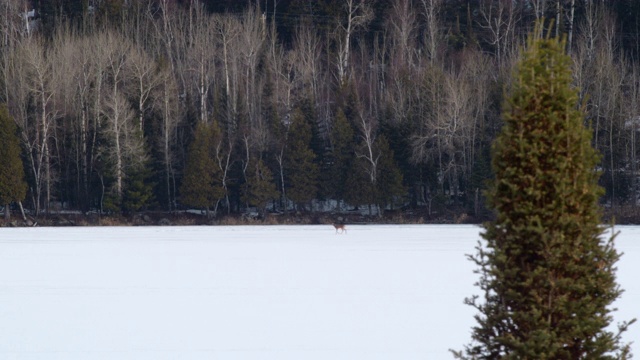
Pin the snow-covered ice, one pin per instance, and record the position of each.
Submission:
(249, 292)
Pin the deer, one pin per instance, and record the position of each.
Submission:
(341, 227)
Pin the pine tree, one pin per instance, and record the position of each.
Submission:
(342, 154)
(200, 186)
(260, 187)
(138, 192)
(359, 190)
(302, 171)
(389, 181)
(548, 272)
(12, 184)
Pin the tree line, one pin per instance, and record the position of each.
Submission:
(160, 104)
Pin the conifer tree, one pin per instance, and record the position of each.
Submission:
(12, 183)
(389, 176)
(260, 187)
(302, 171)
(341, 157)
(548, 270)
(201, 187)
(138, 192)
(359, 189)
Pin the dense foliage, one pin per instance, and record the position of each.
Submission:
(200, 185)
(547, 274)
(13, 187)
(398, 100)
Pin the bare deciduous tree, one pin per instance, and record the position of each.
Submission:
(433, 34)
(403, 28)
(605, 76)
(250, 45)
(37, 75)
(449, 127)
(305, 59)
(368, 137)
(631, 116)
(228, 28)
(499, 19)
(14, 22)
(124, 144)
(13, 25)
(539, 8)
(167, 102)
(126, 148)
(144, 80)
(358, 15)
(202, 62)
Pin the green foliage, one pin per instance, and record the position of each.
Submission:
(111, 203)
(301, 169)
(389, 181)
(138, 193)
(12, 183)
(400, 87)
(382, 187)
(341, 156)
(260, 187)
(547, 274)
(359, 189)
(201, 186)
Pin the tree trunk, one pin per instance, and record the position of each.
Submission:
(558, 11)
(24, 217)
(7, 212)
(571, 19)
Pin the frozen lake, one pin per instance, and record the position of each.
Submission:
(249, 292)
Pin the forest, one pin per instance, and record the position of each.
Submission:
(125, 106)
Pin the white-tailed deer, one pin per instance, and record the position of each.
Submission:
(341, 227)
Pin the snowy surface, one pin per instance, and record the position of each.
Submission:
(248, 292)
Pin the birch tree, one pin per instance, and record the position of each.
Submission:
(13, 23)
(32, 69)
(358, 14)
(144, 81)
(123, 147)
(433, 35)
(498, 19)
(403, 28)
(168, 106)
(202, 62)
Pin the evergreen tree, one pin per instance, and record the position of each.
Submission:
(301, 170)
(547, 273)
(12, 184)
(341, 156)
(260, 187)
(359, 189)
(201, 187)
(389, 181)
(138, 192)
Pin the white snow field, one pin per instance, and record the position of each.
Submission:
(249, 292)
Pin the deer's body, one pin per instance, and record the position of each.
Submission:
(341, 227)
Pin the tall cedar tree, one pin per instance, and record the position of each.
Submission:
(201, 186)
(302, 171)
(547, 274)
(12, 183)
